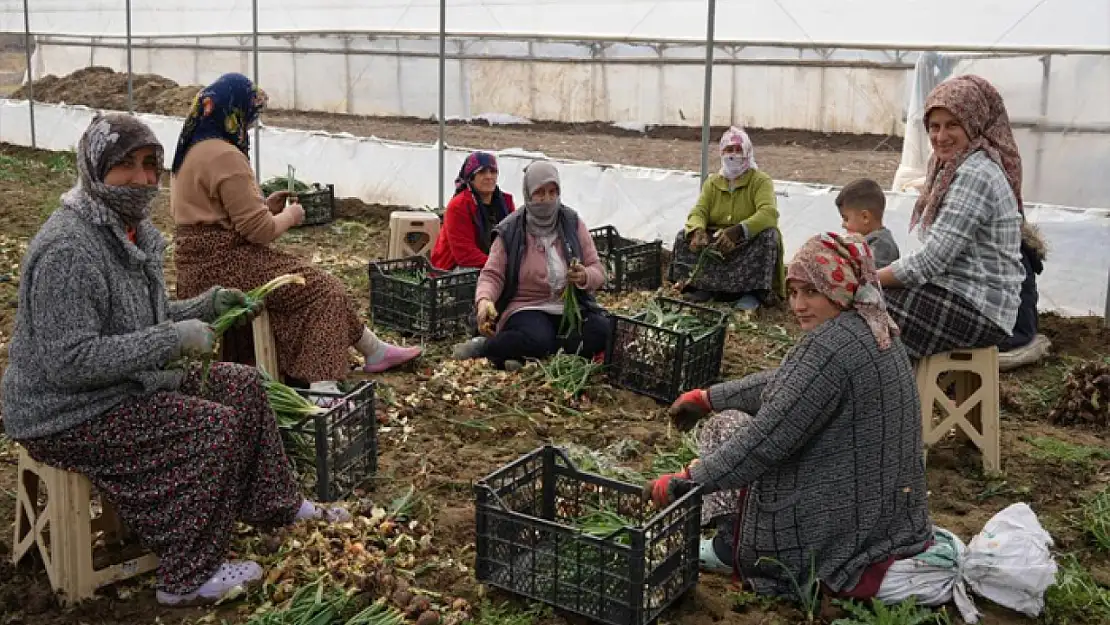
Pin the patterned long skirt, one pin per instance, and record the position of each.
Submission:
(712, 433)
(749, 268)
(182, 468)
(314, 325)
(934, 320)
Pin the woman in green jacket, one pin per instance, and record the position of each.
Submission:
(732, 234)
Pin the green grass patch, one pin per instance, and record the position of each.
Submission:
(744, 601)
(1093, 519)
(1076, 598)
(1048, 448)
(507, 614)
(1041, 394)
(878, 613)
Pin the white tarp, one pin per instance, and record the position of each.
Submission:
(912, 23)
(1064, 162)
(640, 202)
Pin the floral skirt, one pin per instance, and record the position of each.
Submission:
(182, 468)
(750, 268)
(713, 433)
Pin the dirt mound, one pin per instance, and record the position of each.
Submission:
(102, 88)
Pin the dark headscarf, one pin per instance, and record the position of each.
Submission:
(226, 110)
(979, 108)
(107, 142)
(489, 215)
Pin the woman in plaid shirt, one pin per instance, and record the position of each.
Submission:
(962, 288)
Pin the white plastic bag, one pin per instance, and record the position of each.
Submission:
(1009, 562)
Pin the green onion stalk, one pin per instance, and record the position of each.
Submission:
(229, 318)
(674, 321)
(291, 410)
(316, 604)
(568, 373)
(601, 523)
(708, 253)
(572, 310)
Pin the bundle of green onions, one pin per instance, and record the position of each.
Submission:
(568, 373)
(409, 276)
(572, 311)
(291, 409)
(316, 604)
(678, 459)
(224, 322)
(254, 297)
(283, 183)
(656, 315)
(601, 523)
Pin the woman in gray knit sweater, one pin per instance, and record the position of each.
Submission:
(90, 387)
(818, 462)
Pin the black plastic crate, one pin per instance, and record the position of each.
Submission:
(662, 362)
(319, 205)
(630, 265)
(345, 440)
(528, 544)
(412, 297)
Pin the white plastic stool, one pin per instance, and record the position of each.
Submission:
(62, 530)
(975, 410)
(412, 233)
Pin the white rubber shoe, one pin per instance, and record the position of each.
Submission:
(231, 577)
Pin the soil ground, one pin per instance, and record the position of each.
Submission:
(439, 444)
(785, 154)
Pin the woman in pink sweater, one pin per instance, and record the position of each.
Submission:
(537, 253)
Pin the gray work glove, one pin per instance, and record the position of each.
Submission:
(195, 337)
(224, 300)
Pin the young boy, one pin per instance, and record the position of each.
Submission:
(861, 204)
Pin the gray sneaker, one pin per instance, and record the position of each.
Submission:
(469, 350)
(746, 302)
(1032, 353)
(513, 365)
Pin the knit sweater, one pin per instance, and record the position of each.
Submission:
(832, 459)
(94, 326)
(216, 186)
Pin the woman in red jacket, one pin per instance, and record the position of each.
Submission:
(477, 207)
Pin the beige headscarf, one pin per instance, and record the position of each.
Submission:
(540, 217)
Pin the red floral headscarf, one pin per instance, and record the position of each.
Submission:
(842, 268)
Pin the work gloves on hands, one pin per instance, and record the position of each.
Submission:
(195, 337)
(668, 488)
(224, 300)
(729, 239)
(698, 240)
(689, 408)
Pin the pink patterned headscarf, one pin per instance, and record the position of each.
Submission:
(980, 110)
(842, 268)
(733, 166)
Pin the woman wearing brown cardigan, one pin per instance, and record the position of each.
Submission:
(224, 234)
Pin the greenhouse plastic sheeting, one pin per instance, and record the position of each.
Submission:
(908, 22)
(398, 76)
(640, 202)
(1067, 162)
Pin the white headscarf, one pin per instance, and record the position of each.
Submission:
(735, 165)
